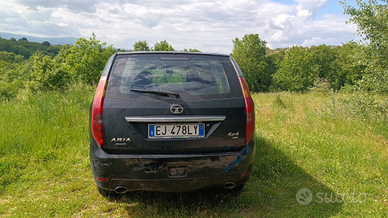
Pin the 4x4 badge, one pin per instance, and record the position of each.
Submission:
(176, 109)
(234, 135)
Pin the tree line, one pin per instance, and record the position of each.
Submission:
(31, 66)
(297, 68)
(354, 66)
(26, 49)
(290, 69)
(358, 67)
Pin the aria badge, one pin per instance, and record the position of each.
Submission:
(176, 109)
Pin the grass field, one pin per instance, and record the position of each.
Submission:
(310, 163)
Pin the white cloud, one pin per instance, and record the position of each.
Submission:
(20, 19)
(308, 9)
(74, 5)
(281, 22)
(208, 26)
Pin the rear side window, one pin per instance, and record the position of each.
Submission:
(195, 75)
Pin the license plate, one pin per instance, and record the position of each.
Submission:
(169, 131)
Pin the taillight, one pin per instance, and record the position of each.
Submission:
(98, 103)
(102, 179)
(249, 109)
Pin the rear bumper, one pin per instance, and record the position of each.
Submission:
(171, 173)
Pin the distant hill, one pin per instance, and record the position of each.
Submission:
(52, 41)
(28, 45)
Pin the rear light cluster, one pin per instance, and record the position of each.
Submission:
(97, 107)
(249, 109)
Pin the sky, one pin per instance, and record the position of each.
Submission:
(209, 26)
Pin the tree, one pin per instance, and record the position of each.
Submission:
(323, 56)
(372, 21)
(26, 48)
(15, 75)
(87, 59)
(3, 64)
(63, 53)
(46, 43)
(297, 71)
(249, 53)
(54, 50)
(21, 50)
(273, 59)
(191, 50)
(346, 69)
(162, 46)
(141, 46)
(11, 57)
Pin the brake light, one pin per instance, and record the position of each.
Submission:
(97, 107)
(249, 109)
(246, 174)
(103, 179)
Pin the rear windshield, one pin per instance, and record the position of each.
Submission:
(193, 75)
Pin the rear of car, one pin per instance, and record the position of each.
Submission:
(171, 122)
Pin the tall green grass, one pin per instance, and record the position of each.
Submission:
(43, 143)
(44, 122)
(45, 170)
(345, 153)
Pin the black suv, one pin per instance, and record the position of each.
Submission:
(171, 122)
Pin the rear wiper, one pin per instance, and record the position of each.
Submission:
(156, 92)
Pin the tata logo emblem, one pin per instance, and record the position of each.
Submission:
(176, 109)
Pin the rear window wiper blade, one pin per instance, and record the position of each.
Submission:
(176, 95)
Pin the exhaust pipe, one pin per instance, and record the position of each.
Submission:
(229, 185)
(121, 190)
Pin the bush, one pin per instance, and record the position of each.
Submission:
(47, 74)
(81, 63)
(87, 59)
(9, 90)
(367, 106)
(321, 85)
